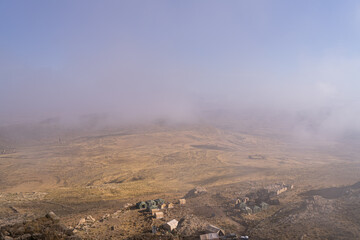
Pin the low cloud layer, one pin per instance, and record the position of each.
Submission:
(139, 62)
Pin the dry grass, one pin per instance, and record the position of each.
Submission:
(97, 174)
(164, 161)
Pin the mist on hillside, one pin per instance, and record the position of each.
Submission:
(239, 63)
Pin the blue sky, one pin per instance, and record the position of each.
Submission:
(148, 59)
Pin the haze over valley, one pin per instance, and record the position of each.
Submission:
(236, 119)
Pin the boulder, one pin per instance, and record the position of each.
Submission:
(52, 216)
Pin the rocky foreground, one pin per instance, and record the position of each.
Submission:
(330, 213)
(47, 227)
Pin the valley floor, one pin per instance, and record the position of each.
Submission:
(97, 174)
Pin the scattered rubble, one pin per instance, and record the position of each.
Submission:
(85, 223)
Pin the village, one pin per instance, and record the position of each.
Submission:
(166, 222)
(158, 219)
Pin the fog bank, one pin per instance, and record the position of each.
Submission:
(285, 64)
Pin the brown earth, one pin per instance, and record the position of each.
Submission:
(97, 174)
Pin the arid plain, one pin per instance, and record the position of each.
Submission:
(95, 173)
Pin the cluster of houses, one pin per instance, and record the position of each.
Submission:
(260, 200)
(252, 203)
(247, 207)
(278, 188)
(156, 206)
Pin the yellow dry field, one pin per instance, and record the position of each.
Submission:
(169, 161)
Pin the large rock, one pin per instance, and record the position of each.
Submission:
(52, 216)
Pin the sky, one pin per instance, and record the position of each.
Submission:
(143, 60)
